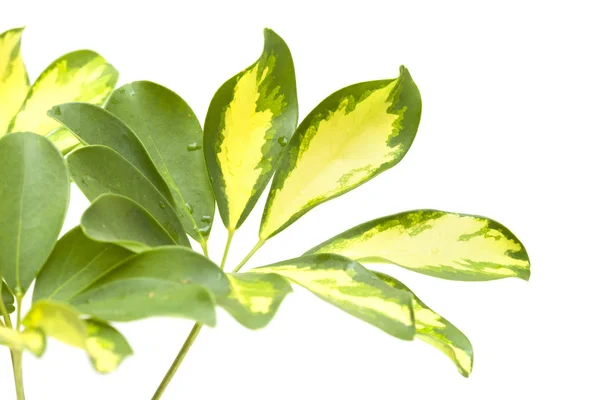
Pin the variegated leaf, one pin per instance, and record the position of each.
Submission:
(351, 287)
(171, 133)
(254, 298)
(434, 329)
(93, 125)
(14, 82)
(105, 346)
(99, 169)
(437, 243)
(117, 219)
(78, 76)
(248, 125)
(352, 136)
(31, 340)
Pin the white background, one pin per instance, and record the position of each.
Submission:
(509, 130)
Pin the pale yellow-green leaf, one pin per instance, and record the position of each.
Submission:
(105, 346)
(248, 124)
(14, 83)
(82, 76)
(351, 287)
(434, 329)
(437, 243)
(352, 136)
(32, 340)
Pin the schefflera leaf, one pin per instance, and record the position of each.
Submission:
(105, 346)
(173, 137)
(117, 219)
(351, 287)
(100, 170)
(14, 82)
(248, 125)
(352, 136)
(434, 329)
(165, 281)
(34, 196)
(437, 243)
(78, 76)
(93, 125)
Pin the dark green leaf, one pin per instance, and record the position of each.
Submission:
(171, 133)
(34, 196)
(117, 219)
(99, 169)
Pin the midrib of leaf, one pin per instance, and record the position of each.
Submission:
(170, 177)
(20, 227)
(76, 274)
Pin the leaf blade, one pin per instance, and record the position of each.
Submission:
(437, 243)
(434, 329)
(249, 121)
(34, 196)
(77, 76)
(14, 82)
(351, 137)
(352, 288)
(98, 170)
(166, 125)
(119, 220)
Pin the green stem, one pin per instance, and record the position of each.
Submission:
(229, 239)
(178, 360)
(16, 356)
(249, 256)
(204, 245)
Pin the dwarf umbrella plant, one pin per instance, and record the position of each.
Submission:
(34, 196)
(154, 176)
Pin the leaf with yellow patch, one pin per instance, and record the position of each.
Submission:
(437, 243)
(254, 298)
(82, 76)
(31, 340)
(352, 136)
(248, 125)
(14, 82)
(351, 287)
(105, 346)
(434, 329)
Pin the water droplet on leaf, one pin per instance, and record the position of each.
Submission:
(189, 207)
(162, 204)
(193, 147)
(283, 141)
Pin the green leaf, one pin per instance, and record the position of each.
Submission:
(167, 281)
(7, 298)
(437, 243)
(171, 133)
(117, 219)
(351, 287)
(248, 125)
(14, 82)
(64, 140)
(352, 136)
(34, 196)
(254, 298)
(75, 263)
(94, 125)
(99, 169)
(30, 339)
(105, 346)
(78, 76)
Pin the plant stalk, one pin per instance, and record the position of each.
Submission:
(178, 360)
(15, 355)
(227, 246)
(249, 256)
